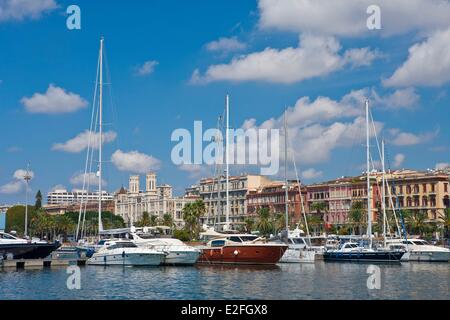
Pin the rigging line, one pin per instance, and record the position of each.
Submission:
(379, 152)
(299, 187)
(89, 140)
(91, 159)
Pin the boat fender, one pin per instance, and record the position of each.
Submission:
(236, 252)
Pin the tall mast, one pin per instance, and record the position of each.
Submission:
(100, 225)
(286, 192)
(369, 204)
(383, 201)
(227, 213)
(27, 178)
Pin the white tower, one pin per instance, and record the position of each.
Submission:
(134, 184)
(150, 182)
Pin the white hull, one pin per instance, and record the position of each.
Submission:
(129, 259)
(426, 256)
(298, 256)
(182, 257)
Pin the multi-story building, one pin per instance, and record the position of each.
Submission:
(64, 197)
(155, 200)
(419, 191)
(273, 197)
(213, 192)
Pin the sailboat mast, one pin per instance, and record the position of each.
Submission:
(369, 204)
(383, 201)
(100, 225)
(286, 192)
(227, 213)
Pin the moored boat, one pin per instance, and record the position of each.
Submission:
(420, 250)
(12, 247)
(126, 253)
(241, 249)
(351, 251)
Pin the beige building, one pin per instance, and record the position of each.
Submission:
(156, 200)
(213, 192)
(420, 190)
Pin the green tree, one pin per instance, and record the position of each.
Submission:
(38, 203)
(15, 218)
(447, 222)
(191, 216)
(249, 224)
(315, 223)
(167, 220)
(264, 225)
(145, 220)
(357, 216)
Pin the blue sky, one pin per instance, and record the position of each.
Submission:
(408, 87)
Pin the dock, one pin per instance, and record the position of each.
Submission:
(40, 263)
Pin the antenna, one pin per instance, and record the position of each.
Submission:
(27, 178)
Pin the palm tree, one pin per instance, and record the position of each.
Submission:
(357, 215)
(315, 222)
(167, 220)
(145, 220)
(418, 223)
(264, 224)
(191, 216)
(249, 224)
(279, 222)
(447, 222)
(321, 209)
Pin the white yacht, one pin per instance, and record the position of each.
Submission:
(126, 253)
(298, 249)
(420, 250)
(178, 253)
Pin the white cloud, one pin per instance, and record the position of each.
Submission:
(58, 187)
(12, 187)
(399, 159)
(361, 56)
(400, 99)
(134, 161)
(428, 63)
(311, 173)
(225, 45)
(315, 56)
(21, 173)
(399, 138)
(16, 185)
(348, 18)
(21, 9)
(147, 68)
(81, 141)
(196, 170)
(442, 165)
(91, 179)
(55, 100)
(322, 108)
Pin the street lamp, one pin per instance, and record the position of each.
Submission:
(27, 178)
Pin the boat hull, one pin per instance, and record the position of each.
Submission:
(28, 250)
(242, 254)
(298, 256)
(426, 256)
(129, 259)
(376, 256)
(182, 258)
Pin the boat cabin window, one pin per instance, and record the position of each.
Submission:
(298, 241)
(217, 243)
(234, 239)
(350, 245)
(420, 242)
(6, 236)
(249, 238)
(122, 245)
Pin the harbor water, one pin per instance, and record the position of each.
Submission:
(287, 281)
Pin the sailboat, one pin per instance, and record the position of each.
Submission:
(351, 251)
(235, 248)
(298, 249)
